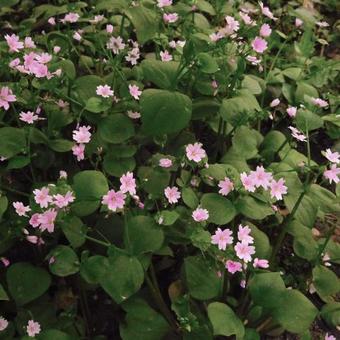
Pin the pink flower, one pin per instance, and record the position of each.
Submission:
(28, 117)
(165, 56)
(259, 45)
(32, 239)
(97, 19)
(253, 60)
(14, 63)
(195, 152)
(164, 3)
(5, 261)
(20, 209)
(71, 17)
(248, 182)
(275, 102)
(77, 36)
(243, 234)
(297, 134)
(261, 178)
(172, 194)
(215, 36)
(266, 11)
(134, 91)
(133, 56)
(42, 197)
(114, 200)
(6, 97)
(165, 162)
(319, 102)
(298, 22)
(115, 44)
(291, 111)
(265, 30)
(260, 263)
(246, 18)
(13, 43)
(200, 215)
(78, 151)
(222, 238)
(128, 183)
(329, 337)
(322, 24)
(332, 174)
(47, 219)
(3, 324)
(29, 43)
(33, 328)
(244, 251)
(104, 91)
(243, 284)
(333, 157)
(226, 186)
(34, 220)
(63, 201)
(109, 28)
(51, 21)
(170, 17)
(278, 188)
(232, 24)
(233, 266)
(82, 135)
(56, 49)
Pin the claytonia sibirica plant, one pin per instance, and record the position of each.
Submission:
(169, 170)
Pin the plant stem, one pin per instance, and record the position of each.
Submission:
(14, 191)
(154, 289)
(329, 235)
(105, 244)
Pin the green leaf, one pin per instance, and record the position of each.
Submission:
(303, 89)
(326, 283)
(85, 87)
(26, 282)
(292, 72)
(233, 110)
(116, 128)
(164, 112)
(143, 235)
(12, 141)
(224, 320)
(294, 311)
(207, 63)
(18, 162)
(124, 277)
(117, 166)
(142, 322)
(245, 142)
(54, 334)
(3, 294)
(89, 187)
(261, 242)
(221, 210)
(324, 199)
(74, 230)
(330, 312)
(249, 82)
(307, 120)
(145, 22)
(154, 181)
(201, 279)
(3, 205)
(67, 67)
(65, 261)
(97, 105)
(268, 285)
(190, 198)
(94, 268)
(60, 145)
(253, 208)
(161, 74)
(168, 217)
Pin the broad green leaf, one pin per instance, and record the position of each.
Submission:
(64, 261)
(145, 22)
(85, 87)
(143, 235)
(54, 334)
(324, 199)
(3, 294)
(116, 128)
(74, 230)
(159, 73)
(124, 277)
(261, 242)
(26, 282)
(117, 166)
(251, 84)
(253, 208)
(307, 120)
(326, 283)
(304, 89)
(154, 181)
(221, 210)
(12, 141)
(94, 268)
(89, 187)
(18, 162)
(60, 145)
(330, 312)
(164, 112)
(294, 311)
(96, 105)
(3, 205)
(224, 320)
(142, 322)
(206, 63)
(190, 198)
(292, 72)
(201, 278)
